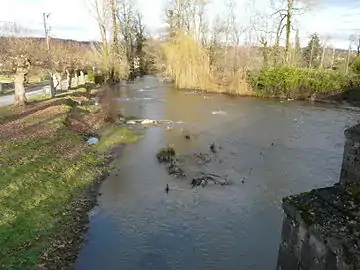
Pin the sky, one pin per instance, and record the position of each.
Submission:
(334, 20)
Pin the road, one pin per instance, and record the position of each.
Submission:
(33, 91)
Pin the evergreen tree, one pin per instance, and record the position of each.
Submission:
(312, 53)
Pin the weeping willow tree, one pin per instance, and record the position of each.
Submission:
(187, 63)
(195, 57)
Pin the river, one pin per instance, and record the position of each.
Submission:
(267, 148)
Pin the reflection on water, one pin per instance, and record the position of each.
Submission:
(291, 147)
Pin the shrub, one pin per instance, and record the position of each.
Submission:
(99, 79)
(91, 76)
(355, 66)
(292, 82)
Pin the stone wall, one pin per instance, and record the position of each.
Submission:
(351, 160)
(321, 228)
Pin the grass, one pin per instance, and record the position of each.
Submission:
(45, 166)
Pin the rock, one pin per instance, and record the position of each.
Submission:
(92, 140)
(97, 101)
(131, 122)
(148, 122)
(120, 121)
(313, 97)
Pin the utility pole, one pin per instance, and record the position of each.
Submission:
(47, 30)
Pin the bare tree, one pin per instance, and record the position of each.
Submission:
(352, 39)
(286, 13)
(323, 51)
(333, 57)
(100, 10)
(17, 54)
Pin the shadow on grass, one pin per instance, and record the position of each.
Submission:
(32, 108)
(62, 98)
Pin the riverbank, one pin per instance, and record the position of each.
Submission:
(49, 177)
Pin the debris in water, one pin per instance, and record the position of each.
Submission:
(175, 169)
(203, 183)
(202, 158)
(92, 140)
(246, 177)
(218, 112)
(187, 136)
(166, 154)
(204, 179)
(212, 148)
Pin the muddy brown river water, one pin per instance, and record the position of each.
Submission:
(289, 147)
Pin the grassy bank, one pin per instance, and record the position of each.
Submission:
(47, 176)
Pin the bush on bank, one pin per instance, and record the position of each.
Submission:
(298, 83)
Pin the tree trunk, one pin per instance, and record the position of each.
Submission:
(311, 54)
(58, 86)
(20, 98)
(115, 42)
(288, 28)
(333, 58)
(323, 56)
(348, 61)
(52, 85)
